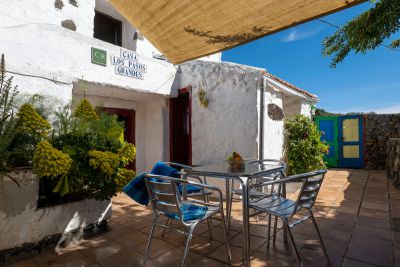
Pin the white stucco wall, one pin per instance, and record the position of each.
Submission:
(230, 122)
(21, 222)
(291, 105)
(59, 54)
(273, 129)
(306, 108)
(23, 12)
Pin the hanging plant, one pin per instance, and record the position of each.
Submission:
(201, 96)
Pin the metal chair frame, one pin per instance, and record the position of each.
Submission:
(203, 193)
(165, 198)
(285, 209)
(256, 194)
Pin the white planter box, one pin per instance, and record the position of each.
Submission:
(22, 222)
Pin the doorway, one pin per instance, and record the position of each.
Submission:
(127, 117)
(351, 147)
(181, 127)
(344, 135)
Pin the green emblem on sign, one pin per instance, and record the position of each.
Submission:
(99, 56)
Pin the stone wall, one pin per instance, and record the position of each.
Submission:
(393, 160)
(378, 128)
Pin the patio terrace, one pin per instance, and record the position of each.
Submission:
(356, 212)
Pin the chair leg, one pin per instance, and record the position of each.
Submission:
(187, 245)
(209, 223)
(320, 237)
(150, 238)
(164, 229)
(286, 223)
(275, 228)
(209, 228)
(269, 230)
(228, 250)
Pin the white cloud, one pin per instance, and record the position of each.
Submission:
(388, 110)
(391, 109)
(295, 34)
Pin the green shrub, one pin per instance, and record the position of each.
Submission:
(304, 150)
(8, 94)
(98, 155)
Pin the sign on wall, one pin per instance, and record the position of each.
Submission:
(99, 56)
(127, 64)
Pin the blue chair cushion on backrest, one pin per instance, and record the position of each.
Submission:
(190, 189)
(137, 190)
(160, 168)
(190, 212)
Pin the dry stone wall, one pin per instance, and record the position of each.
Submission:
(378, 128)
(393, 160)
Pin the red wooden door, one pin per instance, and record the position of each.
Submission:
(180, 128)
(127, 116)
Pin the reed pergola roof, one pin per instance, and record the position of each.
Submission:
(189, 29)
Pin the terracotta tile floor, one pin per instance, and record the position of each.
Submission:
(354, 211)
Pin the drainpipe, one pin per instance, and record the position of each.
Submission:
(261, 126)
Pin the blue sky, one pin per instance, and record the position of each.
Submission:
(361, 83)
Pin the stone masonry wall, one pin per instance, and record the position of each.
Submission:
(378, 128)
(393, 160)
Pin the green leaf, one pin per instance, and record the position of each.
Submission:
(58, 186)
(65, 187)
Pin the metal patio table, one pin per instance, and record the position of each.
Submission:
(243, 175)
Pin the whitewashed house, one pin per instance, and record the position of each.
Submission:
(65, 49)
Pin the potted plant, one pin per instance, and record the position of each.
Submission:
(56, 180)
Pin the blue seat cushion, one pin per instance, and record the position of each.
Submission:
(190, 212)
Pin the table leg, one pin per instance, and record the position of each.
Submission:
(246, 227)
(228, 203)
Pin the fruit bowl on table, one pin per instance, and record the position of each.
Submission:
(236, 165)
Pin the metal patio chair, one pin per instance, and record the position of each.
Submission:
(166, 201)
(255, 194)
(285, 209)
(191, 190)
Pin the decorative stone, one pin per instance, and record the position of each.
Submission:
(69, 24)
(59, 4)
(73, 2)
(275, 112)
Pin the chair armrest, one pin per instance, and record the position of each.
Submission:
(204, 186)
(261, 161)
(291, 178)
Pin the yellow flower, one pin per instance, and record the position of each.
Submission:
(85, 111)
(107, 161)
(49, 161)
(127, 153)
(123, 177)
(30, 122)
